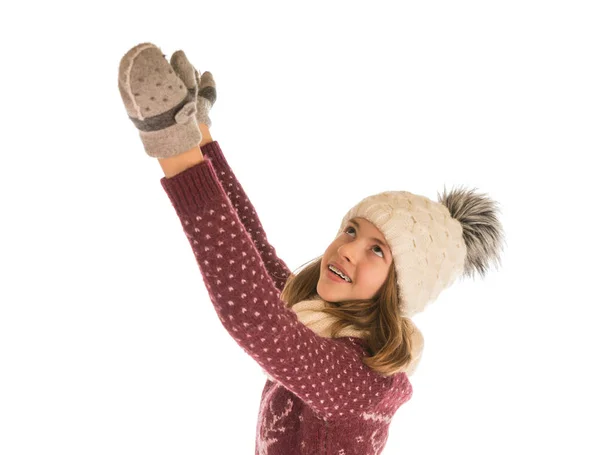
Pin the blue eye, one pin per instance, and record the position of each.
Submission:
(375, 246)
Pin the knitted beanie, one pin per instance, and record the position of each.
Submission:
(433, 243)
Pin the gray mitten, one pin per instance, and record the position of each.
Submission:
(205, 85)
(158, 102)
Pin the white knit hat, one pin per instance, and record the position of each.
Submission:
(433, 243)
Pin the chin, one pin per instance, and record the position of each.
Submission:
(326, 293)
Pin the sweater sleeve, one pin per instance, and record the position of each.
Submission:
(276, 268)
(326, 373)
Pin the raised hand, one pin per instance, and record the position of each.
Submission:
(158, 102)
(203, 86)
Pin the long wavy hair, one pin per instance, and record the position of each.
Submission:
(389, 339)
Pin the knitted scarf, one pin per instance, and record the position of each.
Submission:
(310, 313)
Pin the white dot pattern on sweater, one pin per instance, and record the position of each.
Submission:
(322, 381)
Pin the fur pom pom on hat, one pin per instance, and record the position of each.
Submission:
(433, 243)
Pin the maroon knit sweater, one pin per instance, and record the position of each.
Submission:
(325, 399)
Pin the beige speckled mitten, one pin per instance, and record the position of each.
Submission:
(207, 89)
(158, 102)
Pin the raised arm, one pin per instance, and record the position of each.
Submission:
(210, 149)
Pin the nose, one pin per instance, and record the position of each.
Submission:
(349, 252)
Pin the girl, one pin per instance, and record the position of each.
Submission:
(335, 340)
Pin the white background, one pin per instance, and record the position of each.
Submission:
(108, 341)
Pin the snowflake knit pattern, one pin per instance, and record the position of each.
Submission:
(322, 398)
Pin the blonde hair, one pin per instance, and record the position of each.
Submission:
(389, 338)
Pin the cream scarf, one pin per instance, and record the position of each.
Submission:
(310, 314)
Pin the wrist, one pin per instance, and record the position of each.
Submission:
(206, 137)
(176, 164)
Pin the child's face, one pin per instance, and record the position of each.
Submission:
(365, 261)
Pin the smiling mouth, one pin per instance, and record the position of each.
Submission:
(335, 277)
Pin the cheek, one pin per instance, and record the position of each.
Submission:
(333, 246)
(372, 273)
